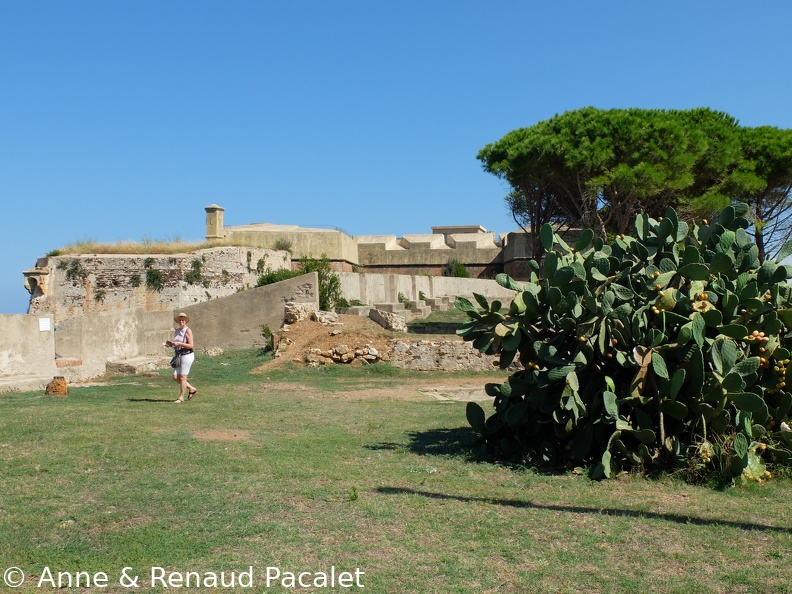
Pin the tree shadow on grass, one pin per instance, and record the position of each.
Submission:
(458, 443)
(576, 509)
(421, 327)
(149, 400)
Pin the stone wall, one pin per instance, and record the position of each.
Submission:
(26, 351)
(71, 286)
(444, 355)
(34, 349)
(372, 289)
(483, 253)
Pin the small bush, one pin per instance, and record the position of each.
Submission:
(329, 283)
(283, 244)
(455, 268)
(404, 300)
(269, 277)
(330, 295)
(193, 277)
(269, 338)
(154, 280)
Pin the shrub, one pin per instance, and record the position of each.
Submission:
(667, 350)
(269, 339)
(275, 276)
(283, 244)
(194, 277)
(329, 284)
(154, 280)
(455, 268)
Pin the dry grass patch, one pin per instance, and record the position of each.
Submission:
(223, 435)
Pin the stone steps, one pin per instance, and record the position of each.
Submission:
(409, 310)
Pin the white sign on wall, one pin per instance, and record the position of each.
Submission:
(44, 324)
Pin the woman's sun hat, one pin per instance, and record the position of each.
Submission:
(180, 316)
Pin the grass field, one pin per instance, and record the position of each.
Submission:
(306, 470)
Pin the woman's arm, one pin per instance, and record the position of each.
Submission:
(188, 344)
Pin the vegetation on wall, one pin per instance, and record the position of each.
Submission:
(154, 280)
(283, 244)
(330, 295)
(667, 350)
(194, 277)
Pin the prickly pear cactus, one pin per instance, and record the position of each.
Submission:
(642, 353)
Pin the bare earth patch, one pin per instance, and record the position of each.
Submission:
(354, 331)
(223, 435)
(357, 332)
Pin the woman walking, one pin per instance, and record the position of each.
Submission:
(184, 345)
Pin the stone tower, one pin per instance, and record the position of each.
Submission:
(214, 222)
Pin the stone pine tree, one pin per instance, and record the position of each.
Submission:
(598, 169)
(764, 183)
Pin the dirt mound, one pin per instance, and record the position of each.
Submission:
(354, 331)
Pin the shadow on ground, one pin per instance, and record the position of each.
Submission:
(575, 509)
(460, 442)
(420, 327)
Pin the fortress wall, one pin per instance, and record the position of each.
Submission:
(236, 321)
(27, 346)
(428, 251)
(30, 357)
(340, 248)
(385, 288)
(72, 286)
(101, 337)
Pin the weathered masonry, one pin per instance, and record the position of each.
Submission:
(481, 251)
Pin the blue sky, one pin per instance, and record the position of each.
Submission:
(123, 120)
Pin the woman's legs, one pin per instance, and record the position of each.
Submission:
(185, 387)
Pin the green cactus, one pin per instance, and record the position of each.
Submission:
(637, 352)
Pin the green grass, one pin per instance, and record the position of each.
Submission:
(306, 469)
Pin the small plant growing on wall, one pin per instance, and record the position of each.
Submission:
(260, 266)
(99, 296)
(74, 271)
(404, 300)
(249, 259)
(194, 275)
(283, 244)
(154, 280)
(134, 280)
(421, 295)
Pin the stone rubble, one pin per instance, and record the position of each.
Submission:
(326, 318)
(388, 320)
(297, 312)
(344, 354)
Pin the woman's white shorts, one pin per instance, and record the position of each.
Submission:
(186, 363)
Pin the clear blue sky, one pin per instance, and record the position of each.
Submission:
(123, 120)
